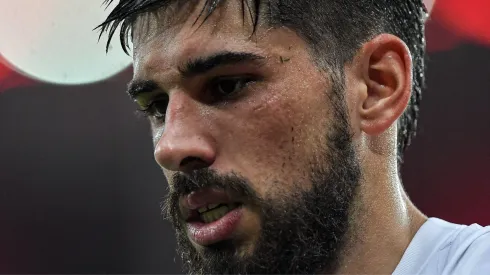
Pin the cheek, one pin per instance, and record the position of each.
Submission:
(271, 139)
(268, 151)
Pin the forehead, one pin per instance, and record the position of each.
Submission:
(189, 22)
(181, 31)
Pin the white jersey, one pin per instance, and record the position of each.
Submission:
(440, 247)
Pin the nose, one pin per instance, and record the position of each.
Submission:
(185, 143)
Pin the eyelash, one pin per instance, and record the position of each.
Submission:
(213, 86)
(150, 111)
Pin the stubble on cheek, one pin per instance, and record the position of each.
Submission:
(280, 134)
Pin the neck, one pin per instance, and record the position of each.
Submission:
(383, 223)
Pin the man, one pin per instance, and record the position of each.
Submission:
(281, 126)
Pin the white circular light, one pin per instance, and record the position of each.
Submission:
(54, 41)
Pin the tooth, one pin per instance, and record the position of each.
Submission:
(218, 215)
(220, 212)
(224, 210)
(206, 217)
(214, 205)
(215, 214)
(202, 209)
(211, 216)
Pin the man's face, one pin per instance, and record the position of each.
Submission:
(249, 126)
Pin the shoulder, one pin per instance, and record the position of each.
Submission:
(441, 247)
(468, 252)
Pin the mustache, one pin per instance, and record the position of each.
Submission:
(185, 183)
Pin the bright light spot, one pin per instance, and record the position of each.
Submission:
(54, 41)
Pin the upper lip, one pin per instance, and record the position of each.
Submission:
(202, 198)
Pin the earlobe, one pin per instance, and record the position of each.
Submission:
(388, 77)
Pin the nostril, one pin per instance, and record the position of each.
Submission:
(192, 163)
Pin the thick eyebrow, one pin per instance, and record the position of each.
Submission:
(195, 67)
(205, 64)
(138, 87)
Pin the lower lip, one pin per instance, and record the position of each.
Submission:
(213, 232)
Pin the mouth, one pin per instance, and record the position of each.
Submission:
(214, 212)
(211, 216)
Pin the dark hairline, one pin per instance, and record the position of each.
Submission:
(118, 17)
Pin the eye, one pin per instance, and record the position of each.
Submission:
(229, 86)
(157, 108)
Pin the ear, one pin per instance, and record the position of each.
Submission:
(386, 69)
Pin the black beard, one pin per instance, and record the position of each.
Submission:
(302, 232)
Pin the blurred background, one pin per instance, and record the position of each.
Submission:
(80, 192)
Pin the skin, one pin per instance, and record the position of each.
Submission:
(271, 128)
